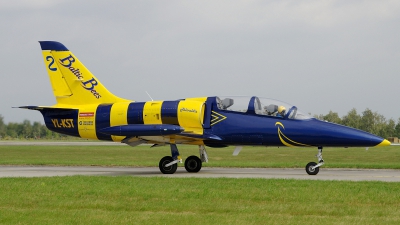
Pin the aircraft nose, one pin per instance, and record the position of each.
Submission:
(330, 134)
(384, 143)
(355, 137)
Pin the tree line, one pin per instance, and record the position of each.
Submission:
(369, 121)
(27, 130)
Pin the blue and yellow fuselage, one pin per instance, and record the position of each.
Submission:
(200, 121)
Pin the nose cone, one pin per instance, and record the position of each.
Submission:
(350, 137)
(320, 133)
(384, 143)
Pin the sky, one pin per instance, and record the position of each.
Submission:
(317, 55)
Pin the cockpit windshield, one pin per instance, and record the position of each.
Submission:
(260, 106)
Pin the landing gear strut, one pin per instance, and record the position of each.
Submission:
(193, 164)
(312, 168)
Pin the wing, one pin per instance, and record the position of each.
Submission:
(161, 134)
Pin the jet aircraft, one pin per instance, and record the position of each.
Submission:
(86, 109)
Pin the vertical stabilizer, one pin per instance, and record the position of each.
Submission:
(72, 82)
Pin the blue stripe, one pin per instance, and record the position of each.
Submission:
(207, 112)
(52, 45)
(169, 112)
(103, 121)
(135, 113)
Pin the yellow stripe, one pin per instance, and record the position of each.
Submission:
(87, 121)
(283, 141)
(214, 118)
(290, 140)
(199, 99)
(118, 117)
(191, 116)
(119, 113)
(152, 112)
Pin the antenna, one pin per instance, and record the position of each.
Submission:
(149, 96)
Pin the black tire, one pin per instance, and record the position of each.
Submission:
(310, 170)
(170, 169)
(193, 164)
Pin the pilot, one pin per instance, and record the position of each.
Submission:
(281, 111)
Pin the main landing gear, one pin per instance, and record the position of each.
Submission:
(312, 168)
(193, 164)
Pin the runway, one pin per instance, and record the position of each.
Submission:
(206, 172)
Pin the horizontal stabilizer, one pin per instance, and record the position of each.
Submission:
(40, 108)
(143, 130)
(31, 107)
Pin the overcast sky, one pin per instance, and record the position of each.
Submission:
(317, 55)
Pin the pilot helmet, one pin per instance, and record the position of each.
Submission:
(281, 110)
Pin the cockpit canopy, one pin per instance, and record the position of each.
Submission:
(260, 106)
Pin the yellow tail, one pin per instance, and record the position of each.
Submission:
(72, 82)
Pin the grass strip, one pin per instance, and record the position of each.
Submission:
(160, 200)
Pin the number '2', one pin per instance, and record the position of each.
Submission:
(48, 58)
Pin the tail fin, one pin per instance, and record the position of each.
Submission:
(72, 82)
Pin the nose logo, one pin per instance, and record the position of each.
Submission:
(285, 140)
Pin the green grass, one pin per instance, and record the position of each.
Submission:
(262, 157)
(160, 200)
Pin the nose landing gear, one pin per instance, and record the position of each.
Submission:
(312, 168)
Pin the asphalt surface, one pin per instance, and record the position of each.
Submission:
(206, 172)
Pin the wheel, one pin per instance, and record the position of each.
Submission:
(193, 164)
(310, 170)
(170, 169)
